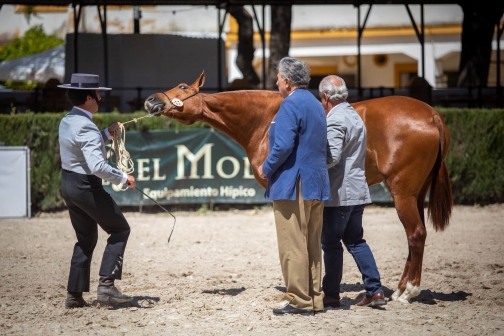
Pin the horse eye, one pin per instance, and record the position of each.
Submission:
(182, 87)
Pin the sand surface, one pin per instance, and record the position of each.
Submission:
(220, 275)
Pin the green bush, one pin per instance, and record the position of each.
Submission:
(32, 42)
(40, 133)
(475, 160)
(476, 157)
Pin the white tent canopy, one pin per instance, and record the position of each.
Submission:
(38, 67)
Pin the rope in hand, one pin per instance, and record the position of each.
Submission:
(125, 164)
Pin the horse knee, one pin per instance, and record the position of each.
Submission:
(416, 240)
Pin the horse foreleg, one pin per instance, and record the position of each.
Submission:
(409, 285)
(404, 280)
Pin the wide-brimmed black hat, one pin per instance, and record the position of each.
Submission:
(82, 81)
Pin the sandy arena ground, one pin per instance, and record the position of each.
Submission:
(220, 275)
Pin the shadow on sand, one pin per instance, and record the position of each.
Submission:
(229, 291)
(143, 302)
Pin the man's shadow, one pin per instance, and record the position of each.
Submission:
(142, 302)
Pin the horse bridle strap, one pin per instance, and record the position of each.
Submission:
(177, 102)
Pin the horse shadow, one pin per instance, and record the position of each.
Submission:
(431, 298)
(229, 291)
(142, 302)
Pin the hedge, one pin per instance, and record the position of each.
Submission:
(40, 133)
(476, 156)
(475, 159)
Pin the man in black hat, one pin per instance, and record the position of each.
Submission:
(84, 166)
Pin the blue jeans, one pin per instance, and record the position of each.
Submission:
(344, 223)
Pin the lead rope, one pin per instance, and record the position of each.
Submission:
(125, 164)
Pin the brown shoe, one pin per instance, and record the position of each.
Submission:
(373, 301)
(329, 301)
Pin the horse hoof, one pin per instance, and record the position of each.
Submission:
(396, 295)
(411, 291)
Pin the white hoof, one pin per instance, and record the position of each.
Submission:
(396, 295)
(411, 291)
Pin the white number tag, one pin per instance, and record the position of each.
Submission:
(177, 102)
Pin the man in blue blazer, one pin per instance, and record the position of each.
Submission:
(84, 166)
(298, 183)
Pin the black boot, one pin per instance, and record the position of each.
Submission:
(75, 300)
(106, 290)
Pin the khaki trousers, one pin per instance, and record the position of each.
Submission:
(299, 226)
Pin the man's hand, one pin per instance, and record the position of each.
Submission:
(131, 183)
(260, 172)
(115, 127)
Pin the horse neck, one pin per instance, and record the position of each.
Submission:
(242, 115)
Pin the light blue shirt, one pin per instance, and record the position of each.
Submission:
(346, 157)
(82, 147)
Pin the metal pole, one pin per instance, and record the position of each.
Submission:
(360, 30)
(137, 15)
(263, 38)
(103, 22)
(359, 83)
(422, 41)
(76, 34)
(263, 41)
(219, 45)
(219, 56)
(499, 88)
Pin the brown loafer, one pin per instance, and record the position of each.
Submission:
(373, 301)
(329, 301)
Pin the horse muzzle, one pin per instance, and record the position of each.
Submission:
(153, 105)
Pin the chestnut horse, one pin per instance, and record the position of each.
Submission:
(407, 141)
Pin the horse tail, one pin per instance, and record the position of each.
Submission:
(440, 198)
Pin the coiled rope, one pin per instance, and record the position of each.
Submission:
(125, 164)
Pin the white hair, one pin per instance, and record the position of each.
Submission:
(333, 91)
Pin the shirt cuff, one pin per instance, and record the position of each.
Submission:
(124, 178)
(107, 134)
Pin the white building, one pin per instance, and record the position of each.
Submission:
(325, 36)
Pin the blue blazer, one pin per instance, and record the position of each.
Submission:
(298, 149)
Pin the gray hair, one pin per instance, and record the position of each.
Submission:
(333, 91)
(297, 71)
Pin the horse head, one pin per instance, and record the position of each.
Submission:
(180, 103)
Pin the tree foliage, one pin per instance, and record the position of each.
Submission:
(33, 41)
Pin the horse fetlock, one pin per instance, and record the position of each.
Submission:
(396, 295)
(410, 292)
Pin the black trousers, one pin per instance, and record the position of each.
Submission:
(89, 204)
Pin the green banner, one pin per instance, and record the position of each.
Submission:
(194, 166)
(188, 166)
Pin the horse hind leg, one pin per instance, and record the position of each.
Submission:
(411, 213)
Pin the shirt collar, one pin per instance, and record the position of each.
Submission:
(89, 114)
(337, 107)
(299, 88)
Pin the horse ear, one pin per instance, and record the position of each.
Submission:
(200, 81)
